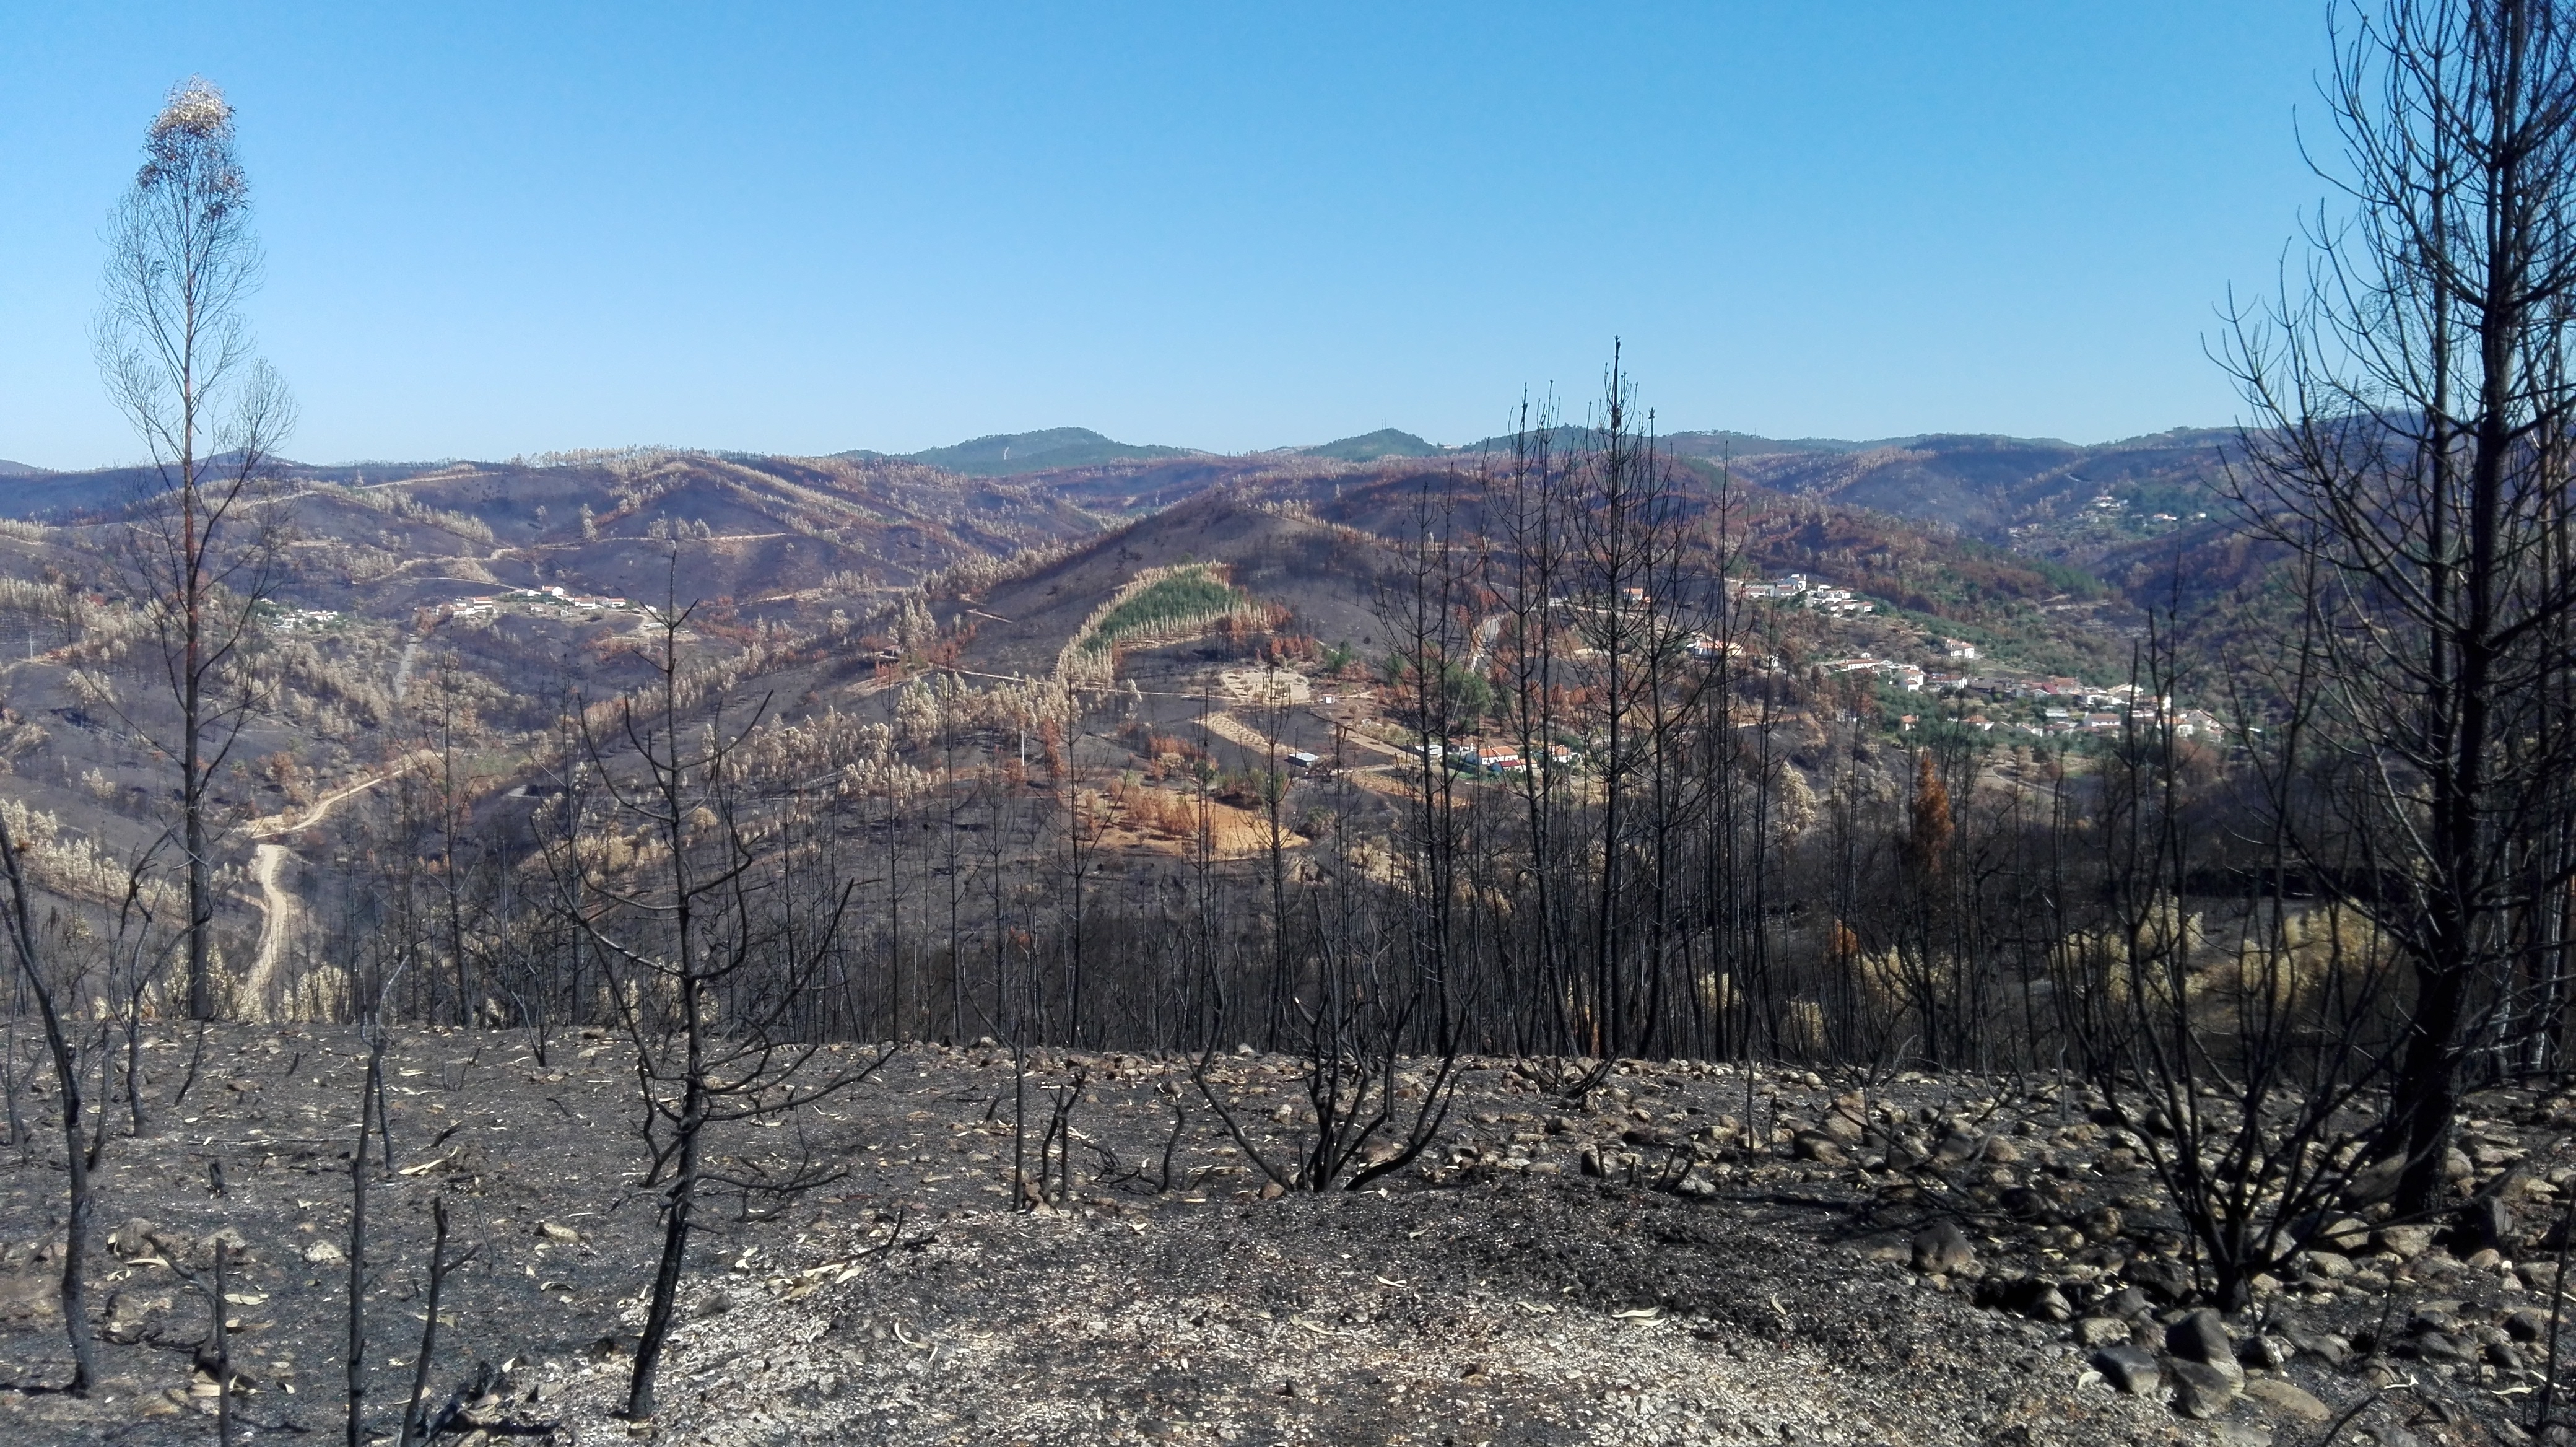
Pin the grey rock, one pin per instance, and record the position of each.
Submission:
(2266, 1352)
(2201, 1391)
(2128, 1301)
(2202, 1337)
(134, 1238)
(2327, 1347)
(1816, 1146)
(1942, 1249)
(2434, 1346)
(2505, 1354)
(2332, 1265)
(2161, 1280)
(2433, 1316)
(2374, 1182)
(2288, 1398)
(2101, 1331)
(2131, 1368)
(2407, 1241)
(2526, 1324)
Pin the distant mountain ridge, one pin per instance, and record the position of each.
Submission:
(1012, 454)
(2034, 494)
(1370, 446)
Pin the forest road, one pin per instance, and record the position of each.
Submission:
(279, 909)
(278, 905)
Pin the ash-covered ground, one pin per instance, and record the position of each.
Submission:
(1693, 1254)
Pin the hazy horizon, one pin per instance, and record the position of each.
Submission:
(684, 447)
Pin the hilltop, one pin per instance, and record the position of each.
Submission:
(1371, 446)
(1012, 454)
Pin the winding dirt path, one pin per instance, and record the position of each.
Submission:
(278, 905)
(279, 910)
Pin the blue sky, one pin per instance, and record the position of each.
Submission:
(507, 228)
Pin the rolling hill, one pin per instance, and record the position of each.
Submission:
(1325, 576)
(1371, 446)
(1012, 454)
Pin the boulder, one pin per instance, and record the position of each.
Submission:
(2435, 1346)
(2131, 1368)
(2374, 1182)
(2406, 1241)
(2289, 1399)
(2201, 1391)
(2100, 1331)
(2266, 1352)
(2327, 1347)
(2526, 1323)
(1824, 1150)
(134, 1238)
(2162, 1280)
(1942, 1249)
(2202, 1337)
(2128, 1301)
(2332, 1265)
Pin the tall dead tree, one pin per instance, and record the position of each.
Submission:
(176, 353)
(2409, 434)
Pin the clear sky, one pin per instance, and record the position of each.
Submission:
(507, 228)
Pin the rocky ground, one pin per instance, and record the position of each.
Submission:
(1696, 1254)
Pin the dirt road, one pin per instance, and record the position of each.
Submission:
(278, 905)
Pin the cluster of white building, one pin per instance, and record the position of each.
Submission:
(552, 596)
(1807, 593)
(289, 620)
(1496, 758)
(1904, 675)
(2067, 705)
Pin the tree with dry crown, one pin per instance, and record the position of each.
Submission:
(200, 546)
